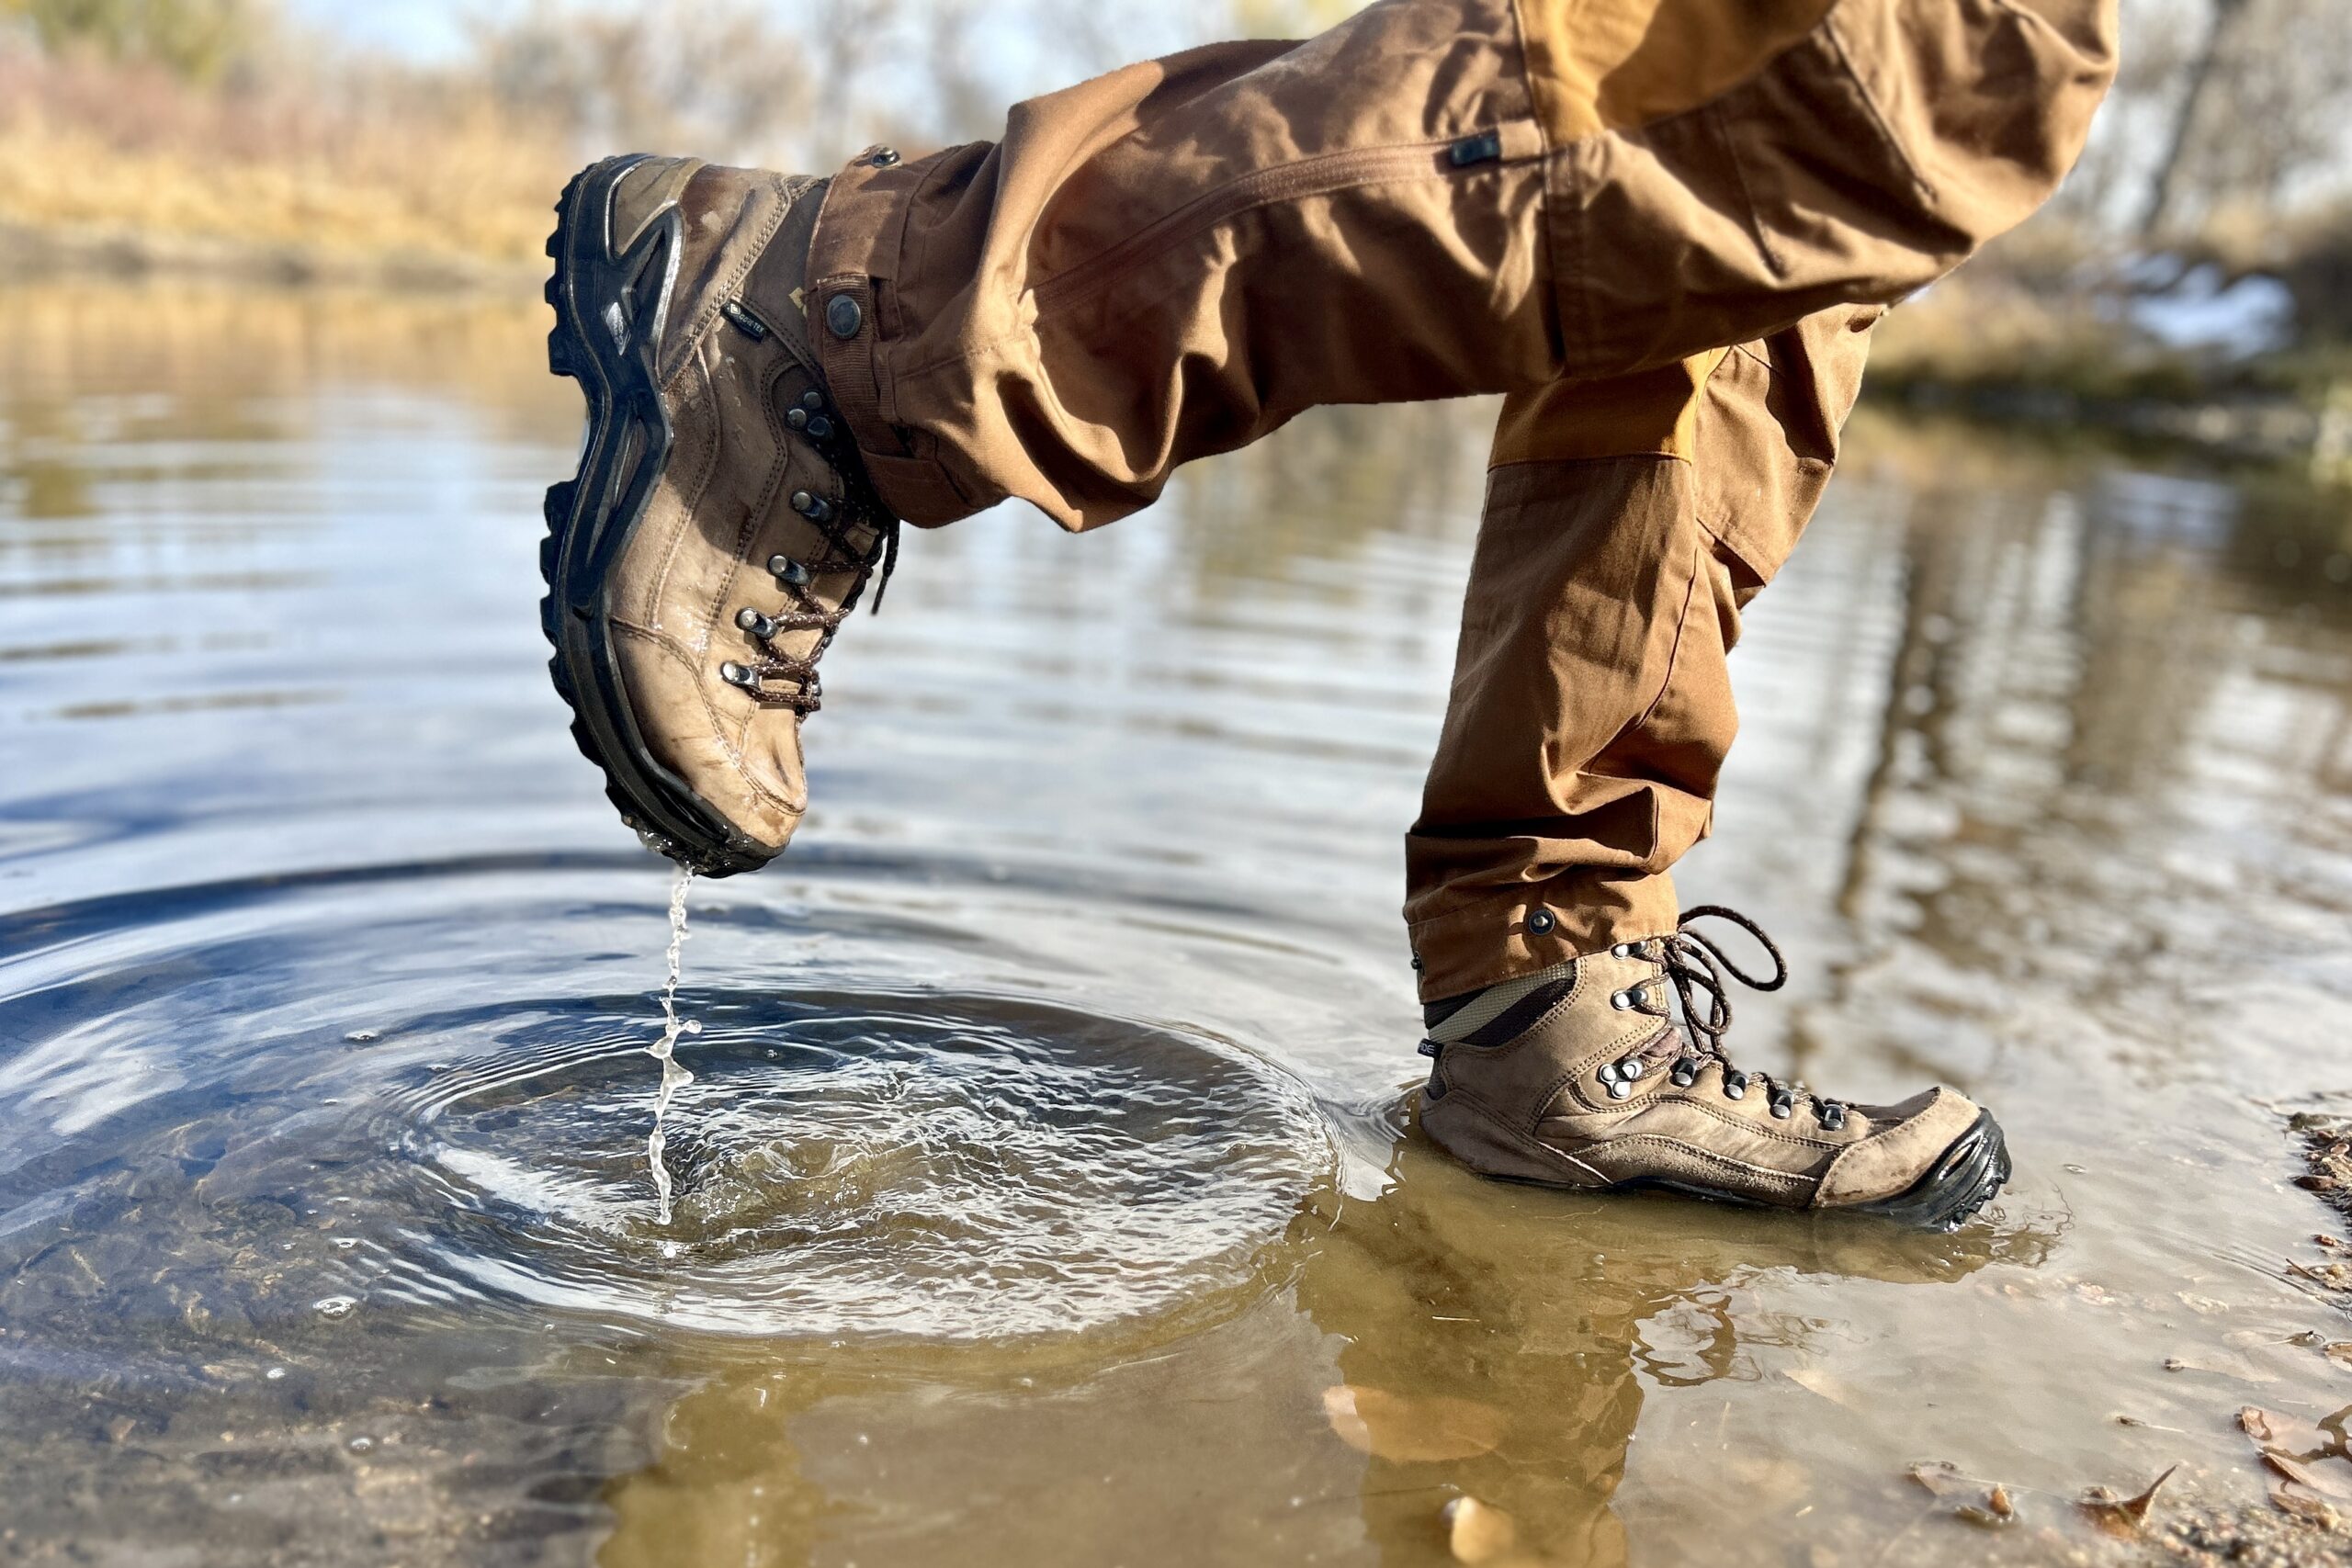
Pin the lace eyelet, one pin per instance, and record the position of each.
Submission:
(785, 569)
(1735, 1085)
(1621, 1000)
(741, 675)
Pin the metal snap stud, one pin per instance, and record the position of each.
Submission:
(1632, 1067)
(1621, 1089)
(797, 418)
(1607, 1072)
(883, 157)
(820, 428)
(844, 316)
(1540, 921)
(1623, 950)
(1621, 1000)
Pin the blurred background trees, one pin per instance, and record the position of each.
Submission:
(2207, 232)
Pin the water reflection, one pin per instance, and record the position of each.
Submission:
(1437, 1342)
(323, 960)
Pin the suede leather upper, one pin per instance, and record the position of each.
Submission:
(1536, 1106)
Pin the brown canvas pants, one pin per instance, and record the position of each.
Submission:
(1661, 226)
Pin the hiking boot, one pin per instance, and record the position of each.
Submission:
(1580, 1076)
(720, 527)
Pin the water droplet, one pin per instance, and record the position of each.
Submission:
(361, 1445)
(345, 1243)
(274, 1373)
(361, 1036)
(334, 1306)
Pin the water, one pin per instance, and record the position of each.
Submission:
(1042, 1189)
(674, 1077)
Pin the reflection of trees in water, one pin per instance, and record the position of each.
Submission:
(1333, 479)
(102, 382)
(2074, 642)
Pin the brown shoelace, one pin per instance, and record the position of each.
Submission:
(833, 520)
(1696, 967)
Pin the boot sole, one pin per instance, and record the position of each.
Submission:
(609, 310)
(1965, 1178)
(1961, 1182)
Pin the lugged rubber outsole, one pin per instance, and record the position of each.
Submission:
(591, 516)
(1962, 1181)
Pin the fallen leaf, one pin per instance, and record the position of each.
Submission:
(1988, 1502)
(2339, 1351)
(2328, 1479)
(1411, 1428)
(1477, 1532)
(2122, 1516)
(1945, 1478)
(2270, 1429)
(2289, 1497)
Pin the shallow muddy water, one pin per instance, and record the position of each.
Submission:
(1046, 1191)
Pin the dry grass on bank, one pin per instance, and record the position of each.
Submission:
(380, 182)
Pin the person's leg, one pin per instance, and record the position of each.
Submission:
(1627, 522)
(1434, 198)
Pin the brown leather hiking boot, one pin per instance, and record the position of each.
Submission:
(719, 527)
(1580, 1077)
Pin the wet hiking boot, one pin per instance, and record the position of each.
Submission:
(719, 527)
(1580, 1077)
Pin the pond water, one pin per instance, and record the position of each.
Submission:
(1046, 1186)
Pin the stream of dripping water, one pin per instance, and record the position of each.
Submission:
(664, 1050)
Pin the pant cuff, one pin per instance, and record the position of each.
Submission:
(861, 230)
(1533, 928)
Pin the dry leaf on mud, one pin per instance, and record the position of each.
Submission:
(2301, 1460)
(1411, 1428)
(2293, 1498)
(2122, 1516)
(1983, 1502)
(1478, 1533)
(2339, 1351)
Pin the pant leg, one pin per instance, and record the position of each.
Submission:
(1627, 523)
(1434, 198)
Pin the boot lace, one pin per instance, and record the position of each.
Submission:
(834, 520)
(1700, 973)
